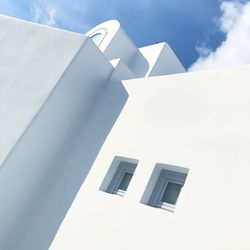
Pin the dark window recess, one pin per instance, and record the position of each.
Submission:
(125, 181)
(167, 189)
(171, 193)
(122, 178)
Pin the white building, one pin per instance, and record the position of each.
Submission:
(92, 160)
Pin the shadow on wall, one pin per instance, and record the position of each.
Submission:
(45, 170)
(113, 169)
(152, 183)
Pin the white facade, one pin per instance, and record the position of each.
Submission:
(69, 115)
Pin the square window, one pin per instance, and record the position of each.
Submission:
(167, 189)
(121, 178)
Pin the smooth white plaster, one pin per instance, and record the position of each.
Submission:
(33, 58)
(197, 121)
(65, 111)
(162, 60)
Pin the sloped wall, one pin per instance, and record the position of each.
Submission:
(45, 169)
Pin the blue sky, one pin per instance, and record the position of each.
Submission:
(191, 27)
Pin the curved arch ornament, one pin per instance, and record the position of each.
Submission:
(103, 34)
(98, 36)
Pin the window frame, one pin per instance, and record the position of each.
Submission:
(165, 177)
(123, 168)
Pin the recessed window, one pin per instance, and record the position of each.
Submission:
(123, 170)
(126, 178)
(166, 187)
(171, 193)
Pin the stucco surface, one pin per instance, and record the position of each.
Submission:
(33, 58)
(198, 121)
(65, 114)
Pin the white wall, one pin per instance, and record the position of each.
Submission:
(58, 106)
(121, 71)
(162, 60)
(42, 174)
(117, 45)
(199, 121)
(33, 58)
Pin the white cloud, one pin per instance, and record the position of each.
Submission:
(203, 50)
(235, 50)
(44, 15)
